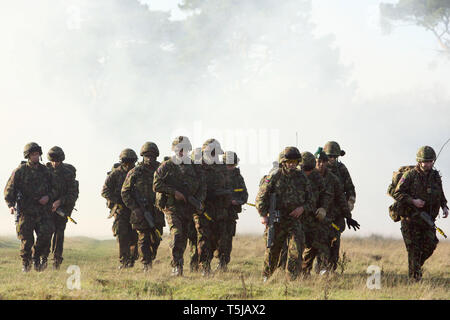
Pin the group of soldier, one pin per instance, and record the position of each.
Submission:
(305, 201)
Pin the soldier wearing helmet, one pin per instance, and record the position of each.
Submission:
(31, 188)
(138, 185)
(122, 229)
(178, 188)
(420, 190)
(65, 198)
(294, 199)
(239, 197)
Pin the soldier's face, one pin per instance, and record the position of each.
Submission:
(55, 164)
(291, 164)
(332, 159)
(34, 157)
(321, 165)
(426, 165)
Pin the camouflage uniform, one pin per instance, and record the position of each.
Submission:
(33, 181)
(420, 239)
(126, 236)
(237, 182)
(139, 183)
(177, 174)
(67, 193)
(292, 190)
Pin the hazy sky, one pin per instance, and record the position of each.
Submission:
(398, 101)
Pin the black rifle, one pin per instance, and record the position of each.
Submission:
(144, 204)
(184, 189)
(274, 217)
(17, 209)
(427, 218)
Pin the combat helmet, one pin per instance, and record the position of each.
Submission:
(425, 153)
(321, 155)
(332, 148)
(308, 161)
(289, 153)
(150, 149)
(230, 158)
(30, 148)
(56, 154)
(212, 147)
(128, 155)
(181, 143)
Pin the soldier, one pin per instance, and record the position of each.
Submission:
(65, 198)
(179, 193)
(336, 211)
(31, 189)
(293, 199)
(212, 231)
(420, 190)
(239, 197)
(138, 195)
(126, 236)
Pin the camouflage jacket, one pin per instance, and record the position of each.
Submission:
(66, 186)
(322, 193)
(292, 191)
(113, 187)
(338, 207)
(218, 190)
(33, 183)
(170, 177)
(417, 184)
(341, 171)
(237, 182)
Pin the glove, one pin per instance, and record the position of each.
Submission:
(321, 213)
(352, 223)
(351, 203)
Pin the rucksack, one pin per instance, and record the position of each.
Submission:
(396, 210)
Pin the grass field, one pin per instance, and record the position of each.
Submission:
(100, 278)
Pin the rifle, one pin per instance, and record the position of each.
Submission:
(17, 207)
(62, 214)
(274, 217)
(426, 217)
(143, 204)
(183, 188)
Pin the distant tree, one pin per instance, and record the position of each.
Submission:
(433, 15)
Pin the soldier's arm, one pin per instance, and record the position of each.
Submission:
(308, 206)
(243, 195)
(159, 185)
(108, 189)
(71, 196)
(326, 195)
(262, 198)
(126, 192)
(341, 200)
(402, 192)
(201, 192)
(443, 203)
(349, 187)
(10, 191)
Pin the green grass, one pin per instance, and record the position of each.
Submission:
(100, 278)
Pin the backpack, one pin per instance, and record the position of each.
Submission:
(396, 210)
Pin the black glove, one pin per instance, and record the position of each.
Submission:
(352, 223)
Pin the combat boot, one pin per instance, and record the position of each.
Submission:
(147, 266)
(221, 266)
(26, 266)
(177, 271)
(44, 264)
(206, 271)
(37, 264)
(57, 264)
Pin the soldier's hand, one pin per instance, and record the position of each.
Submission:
(12, 210)
(265, 220)
(179, 196)
(352, 223)
(297, 212)
(44, 200)
(234, 203)
(321, 213)
(445, 212)
(418, 203)
(351, 203)
(56, 205)
(139, 214)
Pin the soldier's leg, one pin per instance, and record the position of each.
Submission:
(192, 240)
(295, 250)
(228, 244)
(203, 227)
(412, 238)
(45, 227)
(429, 244)
(122, 230)
(334, 251)
(222, 242)
(272, 254)
(58, 240)
(25, 229)
(155, 236)
(144, 247)
(178, 230)
(134, 251)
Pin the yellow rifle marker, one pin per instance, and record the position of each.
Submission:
(71, 220)
(158, 233)
(335, 226)
(207, 217)
(251, 204)
(441, 232)
(238, 190)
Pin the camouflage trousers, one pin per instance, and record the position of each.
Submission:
(58, 238)
(193, 249)
(219, 239)
(178, 222)
(203, 226)
(126, 236)
(41, 224)
(225, 244)
(291, 231)
(420, 241)
(148, 243)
